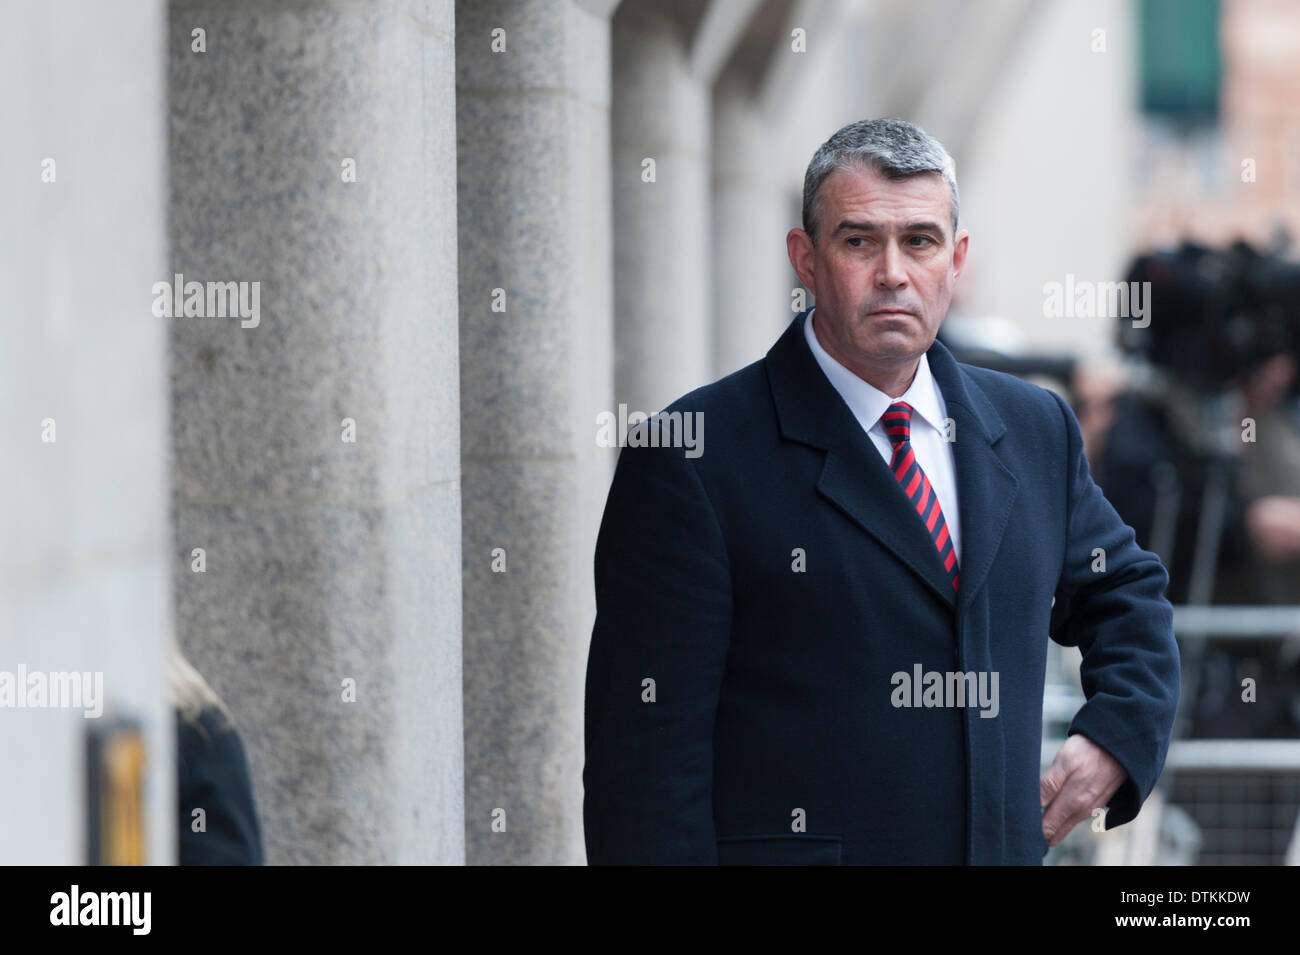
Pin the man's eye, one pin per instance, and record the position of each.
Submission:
(856, 238)
(924, 238)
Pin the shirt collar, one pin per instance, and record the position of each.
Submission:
(867, 402)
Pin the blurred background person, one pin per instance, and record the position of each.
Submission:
(214, 790)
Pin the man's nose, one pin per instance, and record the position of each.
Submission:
(891, 273)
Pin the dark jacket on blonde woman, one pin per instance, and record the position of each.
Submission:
(212, 776)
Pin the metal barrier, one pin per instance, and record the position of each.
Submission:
(1209, 785)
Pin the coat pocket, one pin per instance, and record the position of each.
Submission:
(793, 848)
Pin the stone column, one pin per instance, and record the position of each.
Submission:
(536, 336)
(753, 280)
(84, 577)
(662, 234)
(317, 446)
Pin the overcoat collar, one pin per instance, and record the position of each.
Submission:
(858, 481)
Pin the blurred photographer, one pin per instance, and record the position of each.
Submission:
(1203, 460)
(1270, 478)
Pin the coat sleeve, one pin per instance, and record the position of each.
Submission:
(1121, 621)
(658, 651)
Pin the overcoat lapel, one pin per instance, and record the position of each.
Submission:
(858, 481)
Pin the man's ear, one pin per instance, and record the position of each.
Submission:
(960, 246)
(798, 245)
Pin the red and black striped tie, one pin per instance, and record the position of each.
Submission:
(898, 425)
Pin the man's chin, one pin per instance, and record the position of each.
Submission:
(895, 347)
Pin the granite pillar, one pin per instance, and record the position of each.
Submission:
(317, 444)
(662, 212)
(536, 337)
(753, 280)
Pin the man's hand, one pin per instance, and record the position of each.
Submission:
(1082, 778)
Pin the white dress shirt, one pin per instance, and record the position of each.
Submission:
(868, 404)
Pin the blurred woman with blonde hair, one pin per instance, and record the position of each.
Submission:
(214, 789)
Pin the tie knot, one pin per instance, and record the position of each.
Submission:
(898, 422)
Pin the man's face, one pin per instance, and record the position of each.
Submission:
(883, 267)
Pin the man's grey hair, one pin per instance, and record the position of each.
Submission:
(893, 148)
